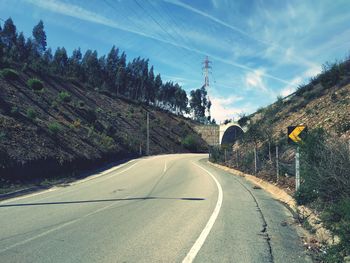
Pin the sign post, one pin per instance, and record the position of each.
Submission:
(297, 169)
(294, 133)
(277, 168)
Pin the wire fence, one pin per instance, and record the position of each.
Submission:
(274, 162)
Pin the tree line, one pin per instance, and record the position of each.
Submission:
(111, 73)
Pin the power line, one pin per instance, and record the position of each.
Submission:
(143, 29)
(174, 29)
(159, 24)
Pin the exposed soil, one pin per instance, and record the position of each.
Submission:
(43, 134)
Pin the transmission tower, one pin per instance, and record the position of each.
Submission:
(206, 70)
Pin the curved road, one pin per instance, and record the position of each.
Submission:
(170, 208)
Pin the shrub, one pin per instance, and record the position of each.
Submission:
(325, 166)
(54, 104)
(243, 120)
(191, 143)
(64, 96)
(9, 74)
(77, 124)
(131, 109)
(2, 136)
(336, 217)
(343, 126)
(107, 141)
(81, 104)
(35, 84)
(306, 194)
(14, 110)
(334, 97)
(31, 114)
(216, 154)
(325, 163)
(54, 128)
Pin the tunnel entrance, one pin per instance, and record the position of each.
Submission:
(231, 135)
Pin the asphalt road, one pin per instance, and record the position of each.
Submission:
(170, 208)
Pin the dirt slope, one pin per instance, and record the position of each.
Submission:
(46, 133)
(316, 107)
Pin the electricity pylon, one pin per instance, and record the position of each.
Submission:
(206, 70)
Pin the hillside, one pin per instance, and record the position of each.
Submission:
(67, 127)
(324, 102)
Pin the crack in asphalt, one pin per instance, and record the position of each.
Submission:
(264, 232)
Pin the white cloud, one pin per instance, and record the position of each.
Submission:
(287, 90)
(222, 108)
(73, 11)
(83, 14)
(255, 80)
(307, 74)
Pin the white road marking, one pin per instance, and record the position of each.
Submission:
(164, 168)
(127, 169)
(205, 232)
(29, 195)
(59, 227)
(101, 173)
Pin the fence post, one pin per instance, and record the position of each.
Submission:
(277, 168)
(147, 150)
(255, 161)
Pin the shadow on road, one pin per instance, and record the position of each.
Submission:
(106, 200)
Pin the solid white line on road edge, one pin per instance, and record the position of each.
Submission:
(59, 227)
(114, 174)
(102, 173)
(203, 236)
(28, 195)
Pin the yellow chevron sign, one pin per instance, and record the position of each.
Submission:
(294, 132)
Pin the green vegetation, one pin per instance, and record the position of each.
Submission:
(325, 166)
(2, 136)
(31, 114)
(35, 84)
(14, 110)
(54, 128)
(107, 141)
(243, 120)
(216, 155)
(64, 96)
(9, 74)
(199, 104)
(81, 104)
(343, 127)
(191, 143)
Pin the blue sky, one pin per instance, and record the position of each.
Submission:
(259, 49)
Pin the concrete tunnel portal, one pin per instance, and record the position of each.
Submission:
(230, 134)
(223, 134)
